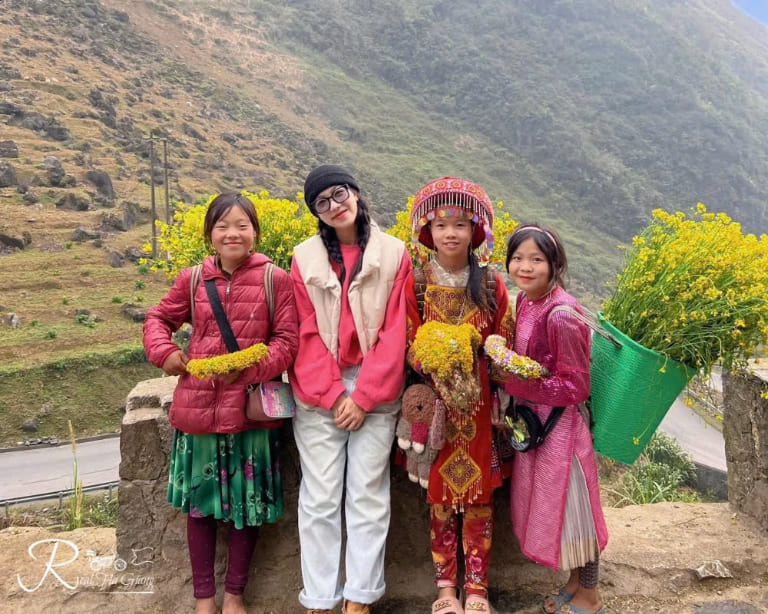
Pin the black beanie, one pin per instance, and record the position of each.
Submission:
(322, 178)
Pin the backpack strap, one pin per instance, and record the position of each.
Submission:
(420, 285)
(588, 320)
(269, 290)
(194, 281)
(490, 285)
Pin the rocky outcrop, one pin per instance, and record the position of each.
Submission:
(81, 234)
(7, 175)
(124, 220)
(650, 564)
(103, 183)
(73, 202)
(9, 149)
(54, 170)
(746, 441)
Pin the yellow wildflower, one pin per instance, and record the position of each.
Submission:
(235, 361)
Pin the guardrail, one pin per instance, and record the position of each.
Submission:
(58, 494)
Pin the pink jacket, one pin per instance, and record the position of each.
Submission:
(540, 477)
(210, 405)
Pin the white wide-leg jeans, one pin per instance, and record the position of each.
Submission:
(332, 459)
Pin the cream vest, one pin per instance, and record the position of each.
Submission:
(368, 293)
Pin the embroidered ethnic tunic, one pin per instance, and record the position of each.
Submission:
(467, 469)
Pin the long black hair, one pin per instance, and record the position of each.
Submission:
(331, 241)
(476, 289)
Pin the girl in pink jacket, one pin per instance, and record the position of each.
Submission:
(555, 500)
(224, 467)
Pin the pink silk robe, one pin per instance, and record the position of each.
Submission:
(540, 478)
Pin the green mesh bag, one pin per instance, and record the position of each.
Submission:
(632, 390)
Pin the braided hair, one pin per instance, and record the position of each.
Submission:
(331, 241)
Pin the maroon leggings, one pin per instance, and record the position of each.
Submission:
(201, 537)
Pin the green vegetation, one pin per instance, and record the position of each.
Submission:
(98, 510)
(585, 116)
(89, 389)
(665, 472)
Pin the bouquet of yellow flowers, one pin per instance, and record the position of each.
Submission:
(234, 361)
(694, 289)
(446, 352)
(511, 362)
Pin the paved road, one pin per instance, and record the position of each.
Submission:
(704, 442)
(49, 469)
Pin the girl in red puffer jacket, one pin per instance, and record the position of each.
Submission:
(224, 466)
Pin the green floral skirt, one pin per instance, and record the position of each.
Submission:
(233, 477)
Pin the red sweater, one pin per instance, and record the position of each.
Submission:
(316, 376)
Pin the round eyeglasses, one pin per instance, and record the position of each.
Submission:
(339, 195)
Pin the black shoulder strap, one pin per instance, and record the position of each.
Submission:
(221, 317)
(552, 419)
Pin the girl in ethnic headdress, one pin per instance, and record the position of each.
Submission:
(454, 217)
(556, 510)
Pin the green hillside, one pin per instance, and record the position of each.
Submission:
(583, 114)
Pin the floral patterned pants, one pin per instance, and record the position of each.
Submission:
(477, 531)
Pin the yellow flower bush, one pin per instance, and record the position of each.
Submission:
(234, 361)
(694, 288)
(284, 224)
(503, 226)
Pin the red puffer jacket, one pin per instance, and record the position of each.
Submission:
(210, 405)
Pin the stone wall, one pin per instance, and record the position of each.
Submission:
(652, 551)
(147, 520)
(746, 442)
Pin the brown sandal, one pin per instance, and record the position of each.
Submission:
(366, 609)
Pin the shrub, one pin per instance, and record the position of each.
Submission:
(665, 450)
(284, 223)
(660, 474)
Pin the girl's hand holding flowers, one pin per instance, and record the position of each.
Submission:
(446, 352)
(226, 364)
(176, 363)
(516, 364)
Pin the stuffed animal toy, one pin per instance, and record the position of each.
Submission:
(421, 431)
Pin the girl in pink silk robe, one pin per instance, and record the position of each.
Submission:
(555, 500)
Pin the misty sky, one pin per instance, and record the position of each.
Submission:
(755, 8)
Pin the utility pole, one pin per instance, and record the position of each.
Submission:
(152, 191)
(167, 195)
(152, 140)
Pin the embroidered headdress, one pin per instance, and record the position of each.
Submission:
(451, 196)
